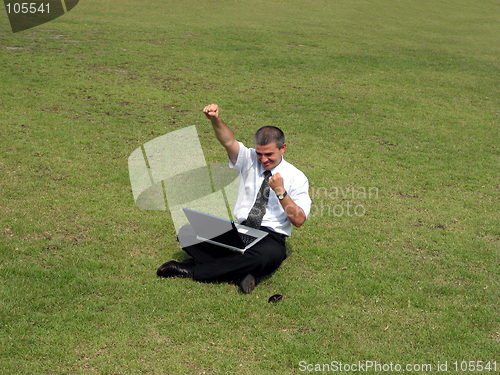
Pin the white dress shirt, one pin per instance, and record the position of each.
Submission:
(251, 175)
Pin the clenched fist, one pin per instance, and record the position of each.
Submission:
(211, 111)
(276, 183)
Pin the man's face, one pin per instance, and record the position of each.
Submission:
(269, 155)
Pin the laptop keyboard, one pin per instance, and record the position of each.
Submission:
(247, 239)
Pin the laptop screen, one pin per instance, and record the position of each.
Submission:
(207, 226)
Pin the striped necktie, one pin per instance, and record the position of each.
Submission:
(259, 208)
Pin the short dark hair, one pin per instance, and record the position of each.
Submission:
(269, 134)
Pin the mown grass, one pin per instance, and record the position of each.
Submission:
(401, 97)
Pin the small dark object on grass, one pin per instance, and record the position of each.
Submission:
(275, 298)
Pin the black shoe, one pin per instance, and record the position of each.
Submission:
(173, 268)
(247, 284)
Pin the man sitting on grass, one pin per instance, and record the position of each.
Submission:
(260, 170)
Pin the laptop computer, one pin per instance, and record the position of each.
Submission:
(223, 232)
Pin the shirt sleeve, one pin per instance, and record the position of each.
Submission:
(299, 192)
(244, 159)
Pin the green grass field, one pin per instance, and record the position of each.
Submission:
(391, 108)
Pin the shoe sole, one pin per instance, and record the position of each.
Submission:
(247, 285)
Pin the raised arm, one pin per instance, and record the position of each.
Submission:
(224, 135)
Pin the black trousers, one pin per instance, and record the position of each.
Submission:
(218, 263)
